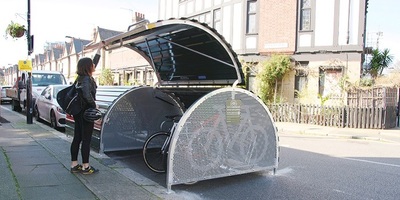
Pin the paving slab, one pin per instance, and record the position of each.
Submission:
(8, 187)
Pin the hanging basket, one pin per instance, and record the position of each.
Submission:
(18, 33)
(15, 30)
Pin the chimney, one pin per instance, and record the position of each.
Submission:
(94, 33)
(138, 17)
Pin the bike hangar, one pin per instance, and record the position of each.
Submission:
(224, 130)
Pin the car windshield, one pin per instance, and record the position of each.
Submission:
(41, 79)
(57, 88)
(3, 88)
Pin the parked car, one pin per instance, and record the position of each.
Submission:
(4, 97)
(40, 79)
(47, 108)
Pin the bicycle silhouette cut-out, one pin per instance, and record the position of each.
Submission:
(211, 143)
(216, 144)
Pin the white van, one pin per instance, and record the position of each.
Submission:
(40, 80)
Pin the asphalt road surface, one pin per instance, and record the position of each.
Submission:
(310, 167)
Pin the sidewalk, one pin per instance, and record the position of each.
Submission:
(384, 135)
(35, 163)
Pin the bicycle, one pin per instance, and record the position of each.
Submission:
(155, 148)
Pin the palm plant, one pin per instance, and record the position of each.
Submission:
(380, 60)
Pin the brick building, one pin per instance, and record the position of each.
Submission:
(325, 38)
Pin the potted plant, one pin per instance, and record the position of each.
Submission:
(15, 30)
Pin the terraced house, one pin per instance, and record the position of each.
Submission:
(63, 56)
(324, 38)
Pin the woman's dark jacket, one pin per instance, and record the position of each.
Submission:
(88, 87)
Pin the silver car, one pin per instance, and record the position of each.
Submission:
(4, 97)
(47, 108)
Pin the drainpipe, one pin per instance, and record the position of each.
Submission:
(348, 23)
(364, 36)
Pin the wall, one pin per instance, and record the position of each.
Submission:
(232, 18)
(336, 25)
(277, 27)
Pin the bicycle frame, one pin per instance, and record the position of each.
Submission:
(163, 149)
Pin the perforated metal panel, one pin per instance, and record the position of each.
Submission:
(227, 132)
(134, 116)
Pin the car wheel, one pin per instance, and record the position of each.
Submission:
(53, 120)
(37, 115)
(15, 105)
(12, 105)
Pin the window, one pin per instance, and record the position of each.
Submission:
(57, 89)
(137, 76)
(300, 79)
(217, 20)
(300, 82)
(251, 25)
(321, 84)
(329, 78)
(204, 17)
(150, 77)
(60, 66)
(39, 79)
(46, 93)
(305, 17)
(129, 77)
(208, 18)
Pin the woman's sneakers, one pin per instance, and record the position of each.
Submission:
(89, 170)
(76, 169)
(79, 168)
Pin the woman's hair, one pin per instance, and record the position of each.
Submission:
(85, 67)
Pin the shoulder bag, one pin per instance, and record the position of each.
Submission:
(70, 100)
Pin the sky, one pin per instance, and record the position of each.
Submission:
(383, 16)
(52, 20)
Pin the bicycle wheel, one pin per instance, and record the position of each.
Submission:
(154, 154)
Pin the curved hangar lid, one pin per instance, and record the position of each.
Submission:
(182, 52)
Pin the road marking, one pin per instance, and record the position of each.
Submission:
(373, 162)
(340, 191)
(284, 145)
(5, 108)
(284, 171)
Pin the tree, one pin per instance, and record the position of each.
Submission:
(380, 60)
(271, 72)
(106, 77)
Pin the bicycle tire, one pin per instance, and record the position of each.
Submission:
(153, 156)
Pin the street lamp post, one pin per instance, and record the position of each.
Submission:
(29, 102)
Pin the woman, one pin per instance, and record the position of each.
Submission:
(84, 129)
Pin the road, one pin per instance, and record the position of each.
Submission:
(310, 167)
